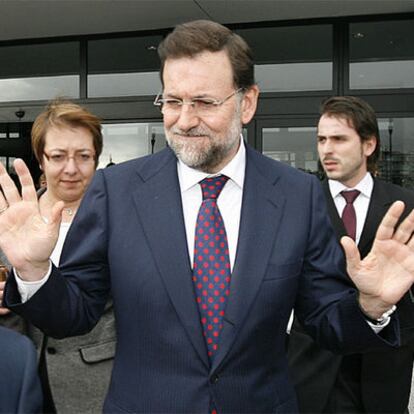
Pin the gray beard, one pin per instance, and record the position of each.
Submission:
(208, 158)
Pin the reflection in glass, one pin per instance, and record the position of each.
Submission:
(295, 146)
(397, 151)
(123, 55)
(41, 59)
(381, 54)
(126, 66)
(123, 84)
(42, 88)
(125, 141)
(283, 61)
(384, 75)
(290, 77)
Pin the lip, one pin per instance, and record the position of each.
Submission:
(69, 183)
(190, 136)
(329, 165)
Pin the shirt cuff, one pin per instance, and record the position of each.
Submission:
(28, 289)
(378, 327)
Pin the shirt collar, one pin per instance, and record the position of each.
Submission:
(365, 186)
(235, 170)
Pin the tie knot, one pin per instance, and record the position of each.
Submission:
(212, 186)
(350, 196)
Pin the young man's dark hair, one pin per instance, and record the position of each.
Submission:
(360, 116)
(190, 39)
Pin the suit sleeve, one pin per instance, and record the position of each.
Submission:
(327, 303)
(73, 299)
(20, 390)
(30, 397)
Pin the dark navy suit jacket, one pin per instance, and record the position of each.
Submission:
(384, 377)
(129, 237)
(20, 390)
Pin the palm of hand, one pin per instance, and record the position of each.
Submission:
(387, 272)
(24, 234)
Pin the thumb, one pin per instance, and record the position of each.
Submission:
(353, 258)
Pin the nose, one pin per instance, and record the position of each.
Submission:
(70, 167)
(325, 147)
(187, 118)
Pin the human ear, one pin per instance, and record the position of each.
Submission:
(370, 145)
(249, 104)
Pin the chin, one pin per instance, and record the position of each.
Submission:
(333, 175)
(71, 196)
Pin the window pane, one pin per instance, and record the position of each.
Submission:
(285, 62)
(123, 142)
(123, 67)
(39, 71)
(397, 151)
(289, 77)
(295, 146)
(124, 84)
(382, 55)
(49, 59)
(47, 87)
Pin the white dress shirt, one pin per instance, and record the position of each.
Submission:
(229, 201)
(361, 203)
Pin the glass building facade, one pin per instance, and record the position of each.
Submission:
(297, 64)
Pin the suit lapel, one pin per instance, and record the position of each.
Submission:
(261, 200)
(336, 220)
(159, 206)
(378, 206)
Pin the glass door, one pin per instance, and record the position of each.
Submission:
(291, 141)
(124, 141)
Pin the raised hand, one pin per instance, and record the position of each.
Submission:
(26, 238)
(387, 273)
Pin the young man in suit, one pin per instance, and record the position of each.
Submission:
(206, 247)
(20, 390)
(371, 382)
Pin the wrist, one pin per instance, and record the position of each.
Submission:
(376, 312)
(33, 272)
(383, 318)
(374, 308)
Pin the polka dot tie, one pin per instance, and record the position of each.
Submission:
(211, 272)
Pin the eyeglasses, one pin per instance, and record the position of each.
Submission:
(202, 106)
(61, 158)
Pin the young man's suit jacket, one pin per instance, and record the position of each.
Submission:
(129, 236)
(385, 377)
(20, 390)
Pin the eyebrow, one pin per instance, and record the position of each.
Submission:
(201, 96)
(331, 136)
(62, 150)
